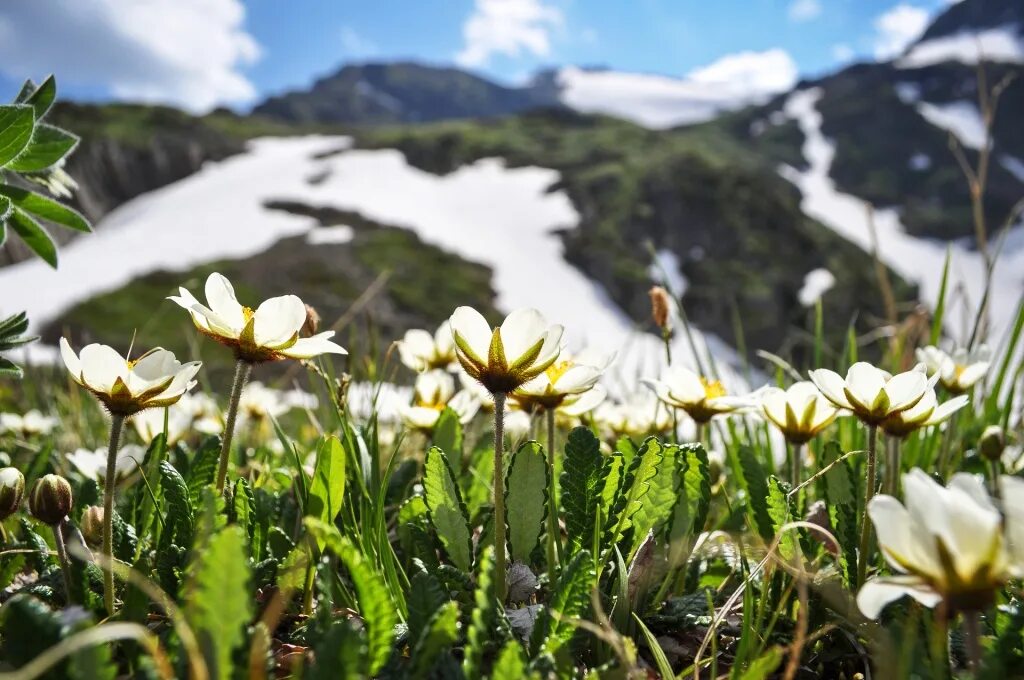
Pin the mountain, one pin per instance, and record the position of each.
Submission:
(403, 92)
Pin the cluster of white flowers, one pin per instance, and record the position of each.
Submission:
(31, 424)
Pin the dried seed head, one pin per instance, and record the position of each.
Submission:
(12, 488)
(661, 308)
(312, 323)
(51, 499)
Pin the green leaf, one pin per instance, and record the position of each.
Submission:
(781, 513)
(339, 655)
(441, 632)
(6, 207)
(16, 123)
(511, 665)
(43, 208)
(583, 474)
(375, 606)
(42, 98)
(327, 488)
(48, 145)
(693, 499)
(447, 512)
(765, 665)
(636, 485)
(570, 598)
(754, 480)
(203, 469)
(660, 660)
(660, 498)
(841, 500)
(245, 508)
(180, 519)
(34, 236)
(425, 596)
(486, 627)
(448, 437)
(218, 606)
(526, 499)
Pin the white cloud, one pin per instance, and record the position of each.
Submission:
(1000, 44)
(355, 45)
(509, 27)
(897, 28)
(183, 52)
(660, 101)
(804, 10)
(842, 52)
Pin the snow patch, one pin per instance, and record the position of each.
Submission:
(659, 102)
(1013, 165)
(916, 259)
(341, 233)
(962, 119)
(1002, 44)
(920, 162)
(817, 282)
(665, 271)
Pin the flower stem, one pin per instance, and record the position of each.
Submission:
(896, 463)
(62, 556)
(499, 495)
(972, 640)
(242, 370)
(869, 493)
(116, 425)
(993, 479)
(796, 458)
(699, 436)
(553, 532)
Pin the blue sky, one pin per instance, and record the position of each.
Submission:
(199, 53)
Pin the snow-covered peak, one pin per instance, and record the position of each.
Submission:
(658, 102)
(1001, 44)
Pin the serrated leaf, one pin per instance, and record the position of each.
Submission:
(840, 490)
(447, 512)
(180, 519)
(440, 633)
(781, 513)
(327, 487)
(511, 664)
(375, 605)
(526, 491)
(486, 628)
(48, 145)
(755, 482)
(44, 208)
(448, 437)
(570, 598)
(693, 500)
(582, 481)
(203, 469)
(34, 236)
(340, 653)
(636, 484)
(245, 508)
(16, 123)
(425, 596)
(660, 498)
(218, 606)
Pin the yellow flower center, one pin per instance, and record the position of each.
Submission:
(712, 388)
(248, 313)
(557, 370)
(958, 370)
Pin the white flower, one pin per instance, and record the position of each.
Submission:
(947, 543)
(800, 412)
(504, 358)
(268, 333)
(421, 351)
(924, 413)
(93, 464)
(128, 386)
(957, 373)
(564, 383)
(640, 415)
(204, 412)
(578, 405)
(517, 425)
(702, 399)
(434, 391)
(871, 393)
(150, 423)
(31, 424)
(259, 402)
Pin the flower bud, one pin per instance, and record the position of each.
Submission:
(312, 322)
(51, 499)
(992, 442)
(92, 525)
(12, 488)
(661, 308)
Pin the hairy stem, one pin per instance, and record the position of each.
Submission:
(499, 494)
(896, 462)
(62, 557)
(242, 370)
(796, 452)
(553, 532)
(972, 640)
(116, 425)
(865, 523)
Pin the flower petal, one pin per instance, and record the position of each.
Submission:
(906, 389)
(832, 386)
(102, 366)
(220, 296)
(521, 331)
(879, 592)
(71, 360)
(471, 333)
(278, 320)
